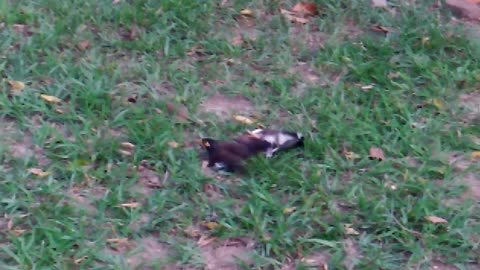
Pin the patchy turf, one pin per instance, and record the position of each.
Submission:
(102, 102)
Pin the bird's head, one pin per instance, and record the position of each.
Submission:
(209, 144)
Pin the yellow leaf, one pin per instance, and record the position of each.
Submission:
(51, 99)
(288, 210)
(16, 86)
(243, 119)
(211, 225)
(173, 144)
(435, 220)
(438, 103)
(475, 155)
(38, 172)
(18, 232)
(247, 12)
(130, 205)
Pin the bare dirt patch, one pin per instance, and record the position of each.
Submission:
(20, 144)
(227, 254)
(83, 198)
(144, 254)
(224, 106)
(352, 253)
(148, 179)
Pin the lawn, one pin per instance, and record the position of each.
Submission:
(103, 102)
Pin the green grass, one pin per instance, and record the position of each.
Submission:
(292, 206)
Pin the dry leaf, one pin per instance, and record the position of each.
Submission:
(292, 16)
(436, 220)
(475, 155)
(243, 119)
(247, 12)
(376, 153)
(130, 205)
(50, 99)
(18, 232)
(379, 28)
(173, 144)
(80, 260)
(438, 103)
(16, 86)
(351, 155)
(379, 3)
(127, 145)
(211, 225)
(306, 8)
(288, 210)
(367, 87)
(349, 230)
(124, 152)
(38, 172)
(83, 45)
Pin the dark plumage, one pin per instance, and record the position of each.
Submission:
(230, 155)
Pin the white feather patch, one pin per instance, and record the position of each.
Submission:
(283, 138)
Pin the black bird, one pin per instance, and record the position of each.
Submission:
(230, 155)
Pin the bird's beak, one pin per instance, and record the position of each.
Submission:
(205, 143)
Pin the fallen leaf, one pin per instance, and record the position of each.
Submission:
(349, 230)
(127, 145)
(83, 45)
(18, 232)
(243, 119)
(16, 86)
(247, 12)
(124, 152)
(367, 87)
(130, 205)
(133, 98)
(351, 155)
(475, 155)
(305, 8)
(80, 260)
(379, 3)
(173, 144)
(292, 16)
(379, 28)
(50, 99)
(193, 232)
(438, 103)
(38, 172)
(435, 219)
(376, 153)
(59, 111)
(288, 210)
(211, 225)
